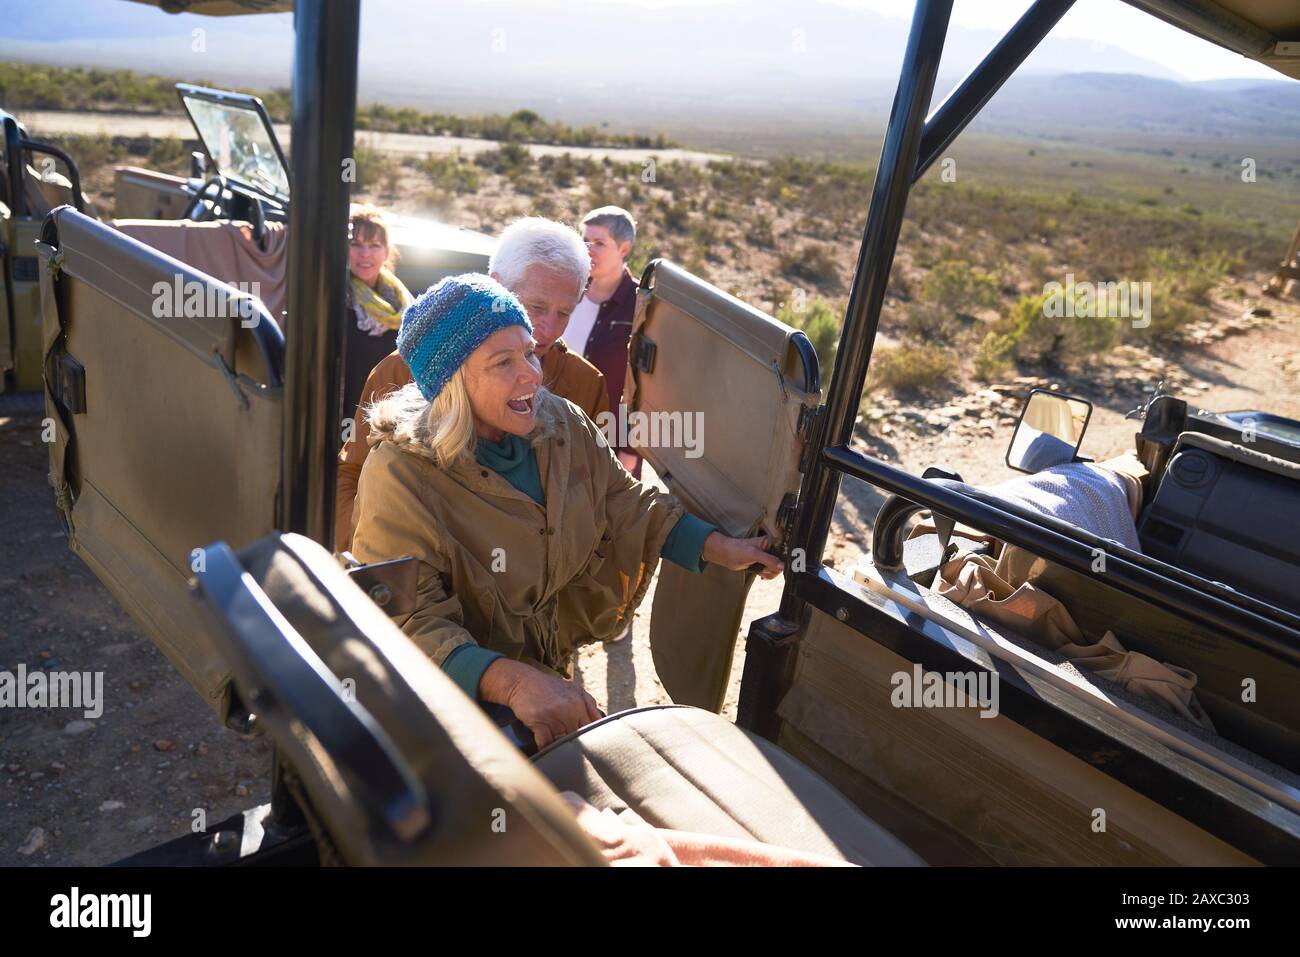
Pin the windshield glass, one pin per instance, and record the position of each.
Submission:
(240, 144)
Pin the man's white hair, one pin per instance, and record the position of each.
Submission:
(536, 241)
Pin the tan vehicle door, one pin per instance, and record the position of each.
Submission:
(717, 397)
(164, 385)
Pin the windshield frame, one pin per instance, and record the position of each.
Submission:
(239, 101)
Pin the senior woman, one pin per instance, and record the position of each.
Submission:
(531, 538)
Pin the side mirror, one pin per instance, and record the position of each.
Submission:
(1049, 432)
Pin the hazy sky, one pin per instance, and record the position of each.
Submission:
(106, 25)
(1106, 22)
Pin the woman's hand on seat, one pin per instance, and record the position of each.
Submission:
(550, 707)
(739, 553)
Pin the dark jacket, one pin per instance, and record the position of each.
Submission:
(607, 345)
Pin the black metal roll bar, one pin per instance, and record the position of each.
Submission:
(1253, 622)
(14, 165)
(74, 175)
(970, 95)
(324, 112)
(898, 158)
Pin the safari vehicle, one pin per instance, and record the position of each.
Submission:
(219, 467)
(238, 191)
(27, 194)
(241, 175)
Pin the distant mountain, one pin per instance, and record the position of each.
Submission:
(738, 66)
(1096, 101)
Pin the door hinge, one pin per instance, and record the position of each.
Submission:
(810, 419)
(643, 354)
(785, 515)
(70, 383)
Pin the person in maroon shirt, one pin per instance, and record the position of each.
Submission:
(602, 322)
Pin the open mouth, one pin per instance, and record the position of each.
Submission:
(523, 404)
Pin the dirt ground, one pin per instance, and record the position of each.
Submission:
(90, 792)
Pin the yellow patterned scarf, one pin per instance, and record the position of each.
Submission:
(377, 304)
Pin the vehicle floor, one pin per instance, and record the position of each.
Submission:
(158, 754)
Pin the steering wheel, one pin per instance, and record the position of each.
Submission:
(201, 207)
(259, 224)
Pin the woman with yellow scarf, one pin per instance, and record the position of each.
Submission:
(377, 297)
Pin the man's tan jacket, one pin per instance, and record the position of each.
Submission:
(565, 373)
(530, 581)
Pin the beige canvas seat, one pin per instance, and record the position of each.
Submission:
(678, 767)
(692, 770)
(224, 250)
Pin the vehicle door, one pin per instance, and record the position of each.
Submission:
(718, 399)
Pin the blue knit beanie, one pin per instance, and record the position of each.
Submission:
(446, 323)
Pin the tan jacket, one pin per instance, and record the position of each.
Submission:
(496, 568)
(565, 373)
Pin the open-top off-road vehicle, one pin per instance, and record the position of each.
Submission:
(226, 219)
(203, 448)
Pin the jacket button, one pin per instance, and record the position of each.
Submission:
(561, 442)
(550, 531)
(483, 473)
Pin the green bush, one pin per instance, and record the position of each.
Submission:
(451, 174)
(992, 358)
(168, 153)
(375, 168)
(1031, 332)
(813, 262)
(90, 150)
(930, 321)
(913, 368)
(955, 285)
(819, 322)
(506, 158)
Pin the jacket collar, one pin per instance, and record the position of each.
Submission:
(626, 290)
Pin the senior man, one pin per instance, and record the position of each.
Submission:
(546, 265)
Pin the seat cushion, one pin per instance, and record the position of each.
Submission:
(693, 770)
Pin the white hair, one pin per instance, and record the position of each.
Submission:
(534, 241)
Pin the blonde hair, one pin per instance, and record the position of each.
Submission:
(444, 426)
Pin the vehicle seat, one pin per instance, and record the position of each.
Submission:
(284, 614)
(224, 250)
(693, 770)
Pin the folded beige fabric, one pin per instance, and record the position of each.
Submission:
(977, 583)
(627, 840)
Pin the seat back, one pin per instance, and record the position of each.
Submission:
(165, 387)
(224, 250)
(397, 765)
(148, 194)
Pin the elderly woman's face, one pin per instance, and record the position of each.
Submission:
(502, 376)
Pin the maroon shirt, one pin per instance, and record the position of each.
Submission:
(606, 347)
